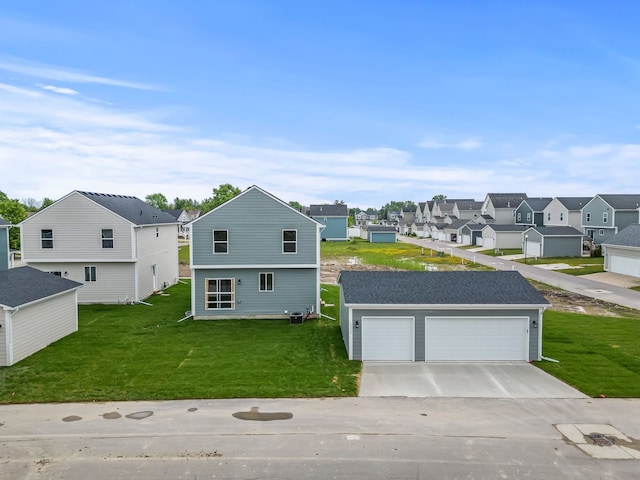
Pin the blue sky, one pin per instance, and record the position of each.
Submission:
(314, 101)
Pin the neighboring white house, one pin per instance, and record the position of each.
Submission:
(121, 248)
(622, 252)
(36, 309)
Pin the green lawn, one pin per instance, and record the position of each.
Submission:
(501, 252)
(135, 352)
(183, 254)
(598, 355)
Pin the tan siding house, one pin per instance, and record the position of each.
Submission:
(119, 247)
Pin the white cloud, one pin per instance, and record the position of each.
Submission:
(591, 151)
(52, 72)
(61, 90)
(469, 144)
(20, 91)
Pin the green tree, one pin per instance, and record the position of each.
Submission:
(46, 201)
(439, 198)
(13, 212)
(157, 200)
(185, 204)
(298, 206)
(222, 194)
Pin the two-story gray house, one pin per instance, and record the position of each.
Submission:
(334, 219)
(605, 215)
(530, 212)
(501, 206)
(121, 248)
(268, 267)
(4, 244)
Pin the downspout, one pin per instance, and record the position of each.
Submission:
(9, 333)
(134, 253)
(542, 357)
(318, 300)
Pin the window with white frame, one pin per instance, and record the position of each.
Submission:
(588, 217)
(601, 232)
(289, 241)
(220, 241)
(266, 282)
(548, 216)
(605, 217)
(519, 216)
(90, 274)
(107, 238)
(528, 216)
(46, 238)
(561, 216)
(220, 294)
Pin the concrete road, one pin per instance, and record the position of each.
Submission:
(583, 286)
(469, 380)
(354, 438)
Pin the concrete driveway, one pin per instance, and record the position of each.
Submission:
(468, 380)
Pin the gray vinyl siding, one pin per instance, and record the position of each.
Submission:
(382, 237)
(36, 326)
(335, 228)
(77, 224)
(161, 250)
(4, 248)
(254, 222)
(115, 281)
(626, 218)
(420, 316)
(523, 210)
(295, 289)
(562, 247)
(555, 208)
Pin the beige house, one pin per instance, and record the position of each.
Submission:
(119, 247)
(565, 212)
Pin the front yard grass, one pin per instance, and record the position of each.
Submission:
(598, 355)
(498, 252)
(138, 352)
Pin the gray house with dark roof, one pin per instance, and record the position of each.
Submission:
(552, 242)
(121, 248)
(622, 252)
(334, 219)
(36, 309)
(501, 206)
(502, 236)
(4, 244)
(531, 211)
(605, 215)
(440, 316)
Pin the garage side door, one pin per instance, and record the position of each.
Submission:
(450, 339)
(624, 265)
(388, 338)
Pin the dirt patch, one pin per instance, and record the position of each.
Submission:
(184, 271)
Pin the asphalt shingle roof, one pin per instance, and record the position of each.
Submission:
(3, 222)
(622, 201)
(558, 231)
(328, 211)
(507, 200)
(507, 228)
(22, 285)
(130, 208)
(380, 228)
(627, 237)
(438, 288)
(538, 204)
(574, 203)
(468, 205)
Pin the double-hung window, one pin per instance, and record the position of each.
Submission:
(561, 216)
(266, 282)
(605, 217)
(220, 241)
(528, 216)
(588, 217)
(289, 241)
(519, 216)
(220, 294)
(46, 238)
(548, 216)
(107, 238)
(90, 274)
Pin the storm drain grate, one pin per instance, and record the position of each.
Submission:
(601, 439)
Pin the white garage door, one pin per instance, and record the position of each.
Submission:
(476, 339)
(488, 242)
(624, 265)
(533, 249)
(466, 239)
(388, 338)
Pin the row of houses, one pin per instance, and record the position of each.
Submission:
(102, 248)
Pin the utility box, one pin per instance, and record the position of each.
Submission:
(296, 317)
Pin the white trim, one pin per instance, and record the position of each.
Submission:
(457, 306)
(34, 302)
(288, 242)
(270, 266)
(394, 318)
(213, 242)
(273, 282)
(78, 260)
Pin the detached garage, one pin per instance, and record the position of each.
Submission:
(440, 316)
(36, 309)
(622, 252)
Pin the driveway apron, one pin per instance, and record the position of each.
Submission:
(466, 380)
